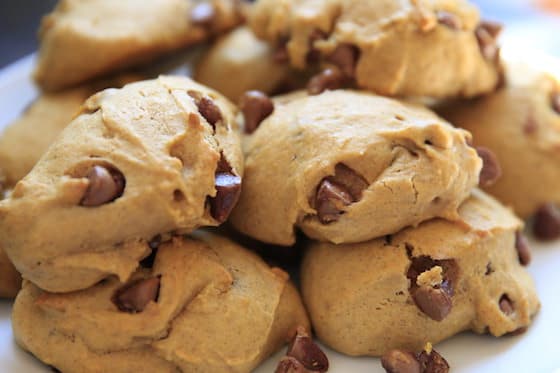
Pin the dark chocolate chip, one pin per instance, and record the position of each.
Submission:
(345, 57)
(555, 102)
(314, 55)
(351, 180)
(105, 185)
(517, 331)
(228, 189)
(328, 79)
(135, 297)
(450, 20)
(290, 365)
(434, 302)
(486, 34)
(398, 361)
(306, 351)
(256, 106)
(209, 110)
(523, 249)
(546, 225)
(506, 305)
(203, 14)
(433, 362)
(491, 170)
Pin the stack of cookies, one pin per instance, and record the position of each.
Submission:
(331, 151)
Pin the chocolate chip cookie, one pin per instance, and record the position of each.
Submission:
(348, 166)
(521, 124)
(423, 284)
(81, 40)
(413, 48)
(204, 305)
(239, 62)
(153, 157)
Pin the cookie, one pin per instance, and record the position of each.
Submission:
(423, 284)
(153, 157)
(520, 123)
(81, 40)
(349, 166)
(10, 279)
(240, 62)
(406, 48)
(206, 305)
(25, 140)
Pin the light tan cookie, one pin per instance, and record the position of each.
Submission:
(240, 62)
(153, 157)
(81, 40)
(521, 124)
(423, 284)
(348, 166)
(206, 305)
(393, 47)
(10, 279)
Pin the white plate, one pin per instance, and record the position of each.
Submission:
(536, 351)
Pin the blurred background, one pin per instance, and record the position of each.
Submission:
(533, 23)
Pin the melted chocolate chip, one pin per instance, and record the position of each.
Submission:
(306, 351)
(433, 362)
(105, 185)
(506, 305)
(329, 79)
(135, 297)
(491, 170)
(449, 20)
(434, 301)
(336, 192)
(228, 189)
(203, 14)
(555, 102)
(546, 225)
(209, 110)
(345, 57)
(290, 365)
(256, 106)
(486, 34)
(399, 361)
(523, 249)
(314, 55)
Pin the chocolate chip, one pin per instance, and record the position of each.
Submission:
(328, 79)
(506, 306)
(203, 14)
(345, 57)
(523, 249)
(546, 225)
(433, 362)
(398, 361)
(313, 55)
(289, 364)
(304, 350)
(435, 301)
(135, 297)
(517, 331)
(555, 102)
(256, 106)
(450, 20)
(228, 189)
(105, 185)
(486, 34)
(491, 170)
(209, 110)
(336, 192)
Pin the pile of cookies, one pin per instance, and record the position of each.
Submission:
(331, 150)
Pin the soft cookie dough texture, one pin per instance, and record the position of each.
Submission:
(220, 308)
(404, 47)
(521, 124)
(81, 39)
(153, 138)
(239, 62)
(401, 162)
(358, 296)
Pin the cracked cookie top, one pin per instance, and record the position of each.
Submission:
(348, 166)
(153, 157)
(203, 304)
(436, 48)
